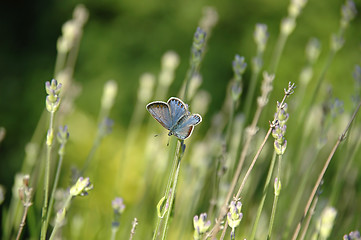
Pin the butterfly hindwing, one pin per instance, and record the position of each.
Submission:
(184, 132)
(184, 127)
(160, 111)
(177, 109)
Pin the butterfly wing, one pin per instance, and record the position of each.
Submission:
(160, 112)
(177, 109)
(184, 127)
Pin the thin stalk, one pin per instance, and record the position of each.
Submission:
(58, 224)
(215, 190)
(22, 223)
(322, 173)
(260, 207)
(73, 53)
(253, 163)
(230, 125)
(173, 147)
(59, 62)
(132, 232)
(189, 76)
(114, 233)
(307, 223)
(318, 85)
(47, 180)
(166, 222)
(55, 185)
(251, 91)
(91, 154)
(275, 200)
(278, 52)
(224, 231)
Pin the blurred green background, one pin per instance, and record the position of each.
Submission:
(122, 40)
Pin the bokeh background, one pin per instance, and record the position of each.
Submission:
(121, 41)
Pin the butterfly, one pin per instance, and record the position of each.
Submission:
(174, 116)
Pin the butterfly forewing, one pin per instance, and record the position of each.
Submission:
(177, 109)
(160, 111)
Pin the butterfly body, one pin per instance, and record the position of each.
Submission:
(174, 116)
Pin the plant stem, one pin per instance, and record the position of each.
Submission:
(275, 201)
(73, 53)
(322, 173)
(55, 185)
(318, 86)
(260, 207)
(166, 222)
(22, 224)
(251, 90)
(134, 225)
(59, 62)
(58, 224)
(224, 231)
(190, 74)
(230, 125)
(114, 233)
(91, 154)
(173, 147)
(278, 51)
(312, 210)
(47, 180)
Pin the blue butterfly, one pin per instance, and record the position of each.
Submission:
(174, 116)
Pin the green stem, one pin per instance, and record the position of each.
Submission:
(60, 62)
(307, 223)
(278, 52)
(73, 53)
(190, 74)
(230, 126)
(251, 90)
(47, 180)
(58, 224)
(320, 79)
(178, 159)
(114, 233)
(91, 154)
(55, 185)
(22, 224)
(275, 200)
(173, 147)
(260, 207)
